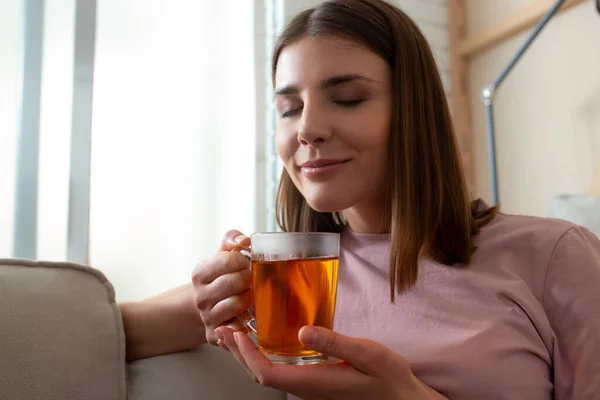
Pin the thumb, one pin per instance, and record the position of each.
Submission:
(365, 355)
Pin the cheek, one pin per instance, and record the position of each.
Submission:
(370, 135)
(285, 143)
(380, 137)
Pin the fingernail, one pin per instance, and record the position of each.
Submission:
(309, 334)
(236, 337)
(219, 334)
(240, 238)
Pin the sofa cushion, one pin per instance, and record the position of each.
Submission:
(61, 335)
(207, 373)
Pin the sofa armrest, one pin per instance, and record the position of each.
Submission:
(61, 335)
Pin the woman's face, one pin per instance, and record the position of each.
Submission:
(333, 99)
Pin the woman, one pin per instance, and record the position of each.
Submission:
(455, 299)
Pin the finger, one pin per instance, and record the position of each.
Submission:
(367, 356)
(234, 239)
(235, 325)
(229, 340)
(220, 264)
(222, 344)
(300, 380)
(248, 351)
(229, 284)
(230, 307)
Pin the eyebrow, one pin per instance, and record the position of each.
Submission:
(325, 84)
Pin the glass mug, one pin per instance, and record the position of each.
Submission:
(294, 280)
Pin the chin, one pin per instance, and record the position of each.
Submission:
(326, 203)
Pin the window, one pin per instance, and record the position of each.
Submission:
(173, 134)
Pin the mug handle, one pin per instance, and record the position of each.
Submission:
(246, 318)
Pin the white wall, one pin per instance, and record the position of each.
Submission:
(547, 111)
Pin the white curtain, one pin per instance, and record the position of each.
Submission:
(173, 137)
(10, 38)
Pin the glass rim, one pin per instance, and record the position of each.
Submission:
(294, 233)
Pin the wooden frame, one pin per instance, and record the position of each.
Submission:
(459, 80)
(463, 46)
(509, 26)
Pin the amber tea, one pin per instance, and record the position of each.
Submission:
(294, 280)
(289, 294)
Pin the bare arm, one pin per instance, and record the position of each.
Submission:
(171, 322)
(163, 324)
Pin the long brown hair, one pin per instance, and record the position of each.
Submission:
(428, 206)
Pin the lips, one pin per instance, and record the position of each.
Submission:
(321, 163)
(322, 169)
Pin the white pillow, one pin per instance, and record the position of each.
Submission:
(582, 210)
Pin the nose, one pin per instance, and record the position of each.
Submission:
(314, 128)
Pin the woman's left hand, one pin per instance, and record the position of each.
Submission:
(369, 370)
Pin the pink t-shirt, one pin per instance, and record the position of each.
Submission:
(522, 321)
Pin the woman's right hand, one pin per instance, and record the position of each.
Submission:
(222, 286)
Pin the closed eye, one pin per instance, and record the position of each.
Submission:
(348, 103)
(343, 103)
(290, 113)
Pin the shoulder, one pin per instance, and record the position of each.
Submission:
(571, 302)
(528, 247)
(551, 240)
(511, 232)
(574, 268)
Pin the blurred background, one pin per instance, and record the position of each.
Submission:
(135, 133)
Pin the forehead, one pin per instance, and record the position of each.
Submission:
(309, 60)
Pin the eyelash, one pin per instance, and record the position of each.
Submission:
(347, 104)
(289, 113)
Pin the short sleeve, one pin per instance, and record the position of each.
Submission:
(571, 300)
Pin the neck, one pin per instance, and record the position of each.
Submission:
(367, 218)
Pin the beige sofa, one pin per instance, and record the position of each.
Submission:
(61, 338)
